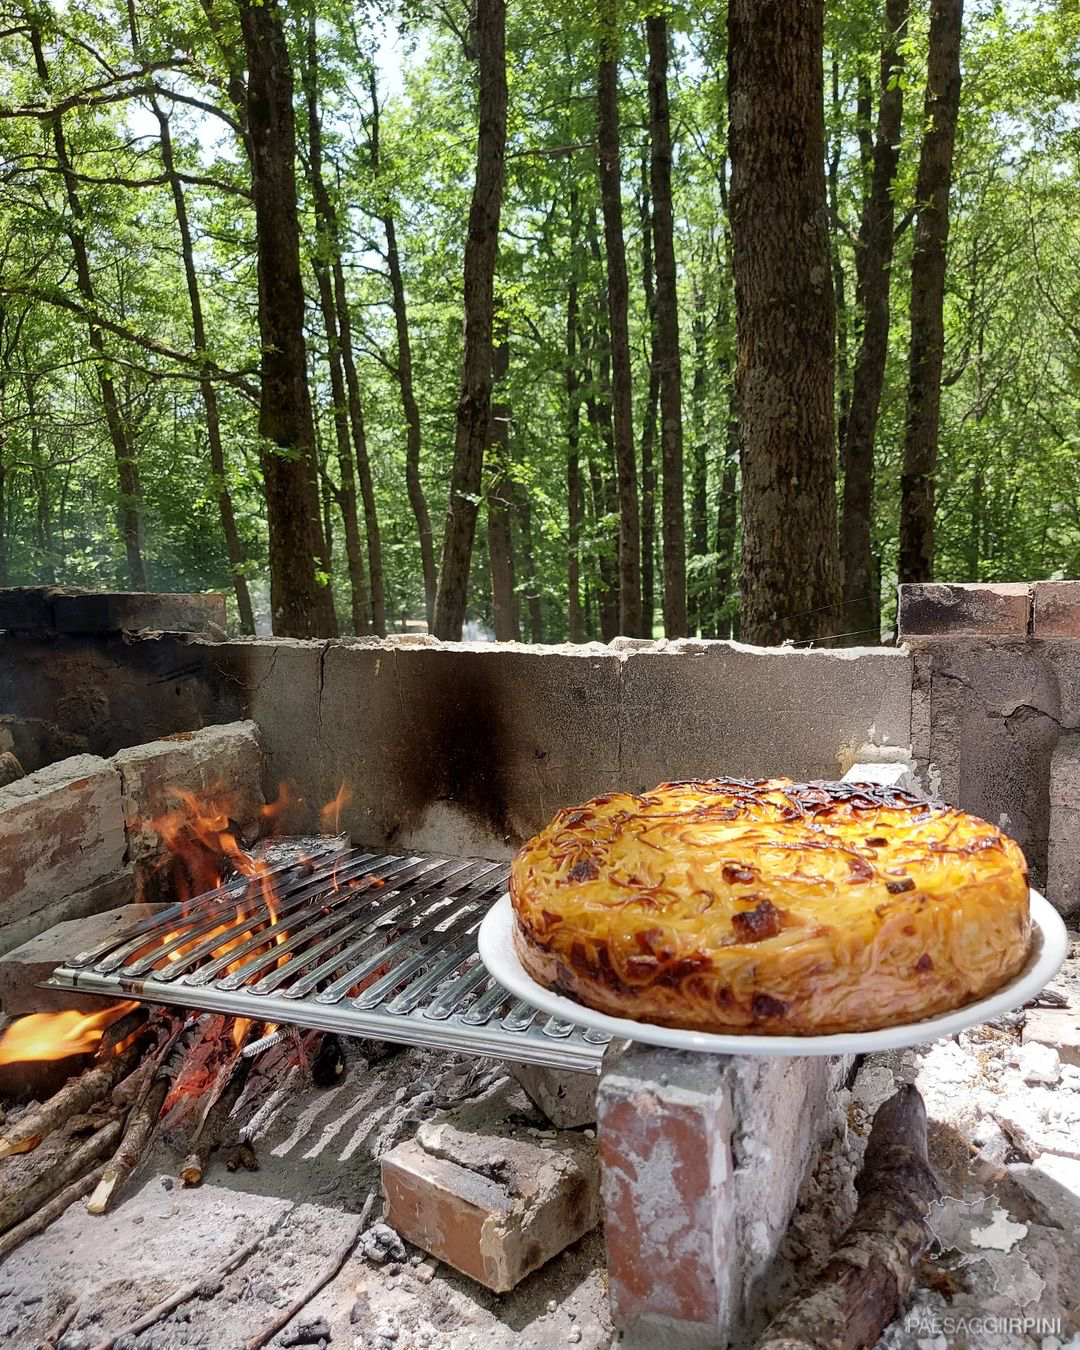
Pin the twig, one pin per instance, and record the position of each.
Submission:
(189, 1291)
(210, 1132)
(60, 1326)
(867, 1278)
(36, 1223)
(19, 1206)
(73, 1098)
(340, 1256)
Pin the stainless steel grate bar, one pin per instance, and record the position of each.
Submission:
(352, 942)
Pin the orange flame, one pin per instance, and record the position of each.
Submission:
(56, 1035)
(330, 815)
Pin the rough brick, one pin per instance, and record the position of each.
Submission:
(196, 761)
(61, 830)
(1056, 609)
(1063, 853)
(24, 967)
(120, 888)
(1057, 1027)
(954, 608)
(568, 1099)
(494, 1200)
(25, 609)
(702, 1158)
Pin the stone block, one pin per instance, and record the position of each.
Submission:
(61, 830)
(121, 888)
(892, 773)
(953, 608)
(201, 762)
(465, 748)
(702, 1159)
(131, 611)
(493, 1199)
(23, 968)
(568, 1099)
(1063, 854)
(25, 609)
(1056, 1028)
(715, 709)
(1056, 609)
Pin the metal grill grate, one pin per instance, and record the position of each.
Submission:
(352, 942)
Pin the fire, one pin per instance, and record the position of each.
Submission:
(56, 1035)
(330, 815)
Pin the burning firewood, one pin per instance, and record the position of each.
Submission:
(22, 1203)
(82, 1091)
(867, 1278)
(209, 1136)
(141, 1122)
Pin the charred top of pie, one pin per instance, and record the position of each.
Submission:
(771, 907)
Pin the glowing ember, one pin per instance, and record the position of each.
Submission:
(56, 1035)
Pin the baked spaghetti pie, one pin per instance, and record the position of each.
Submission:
(773, 907)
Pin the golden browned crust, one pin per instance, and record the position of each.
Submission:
(773, 908)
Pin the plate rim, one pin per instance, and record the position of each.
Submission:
(496, 948)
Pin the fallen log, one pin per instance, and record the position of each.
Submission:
(21, 1204)
(866, 1279)
(340, 1256)
(61, 1325)
(39, 1221)
(78, 1093)
(210, 1133)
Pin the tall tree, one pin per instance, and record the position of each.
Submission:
(790, 583)
(572, 377)
(618, 296)
(499, 502)
(651, 415)
(301, 602)
(928, 258)
(127, 471)
(875, 250)
(667, 324)
(481, 248)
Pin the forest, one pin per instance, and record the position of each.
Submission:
(535, 321)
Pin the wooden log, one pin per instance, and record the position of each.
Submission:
(209, 1136)
(866, 1280)
(61, 1325)
(22, 1203)
(340, 1256)
(140, 1126)
(39, 1221)
(73, 1098)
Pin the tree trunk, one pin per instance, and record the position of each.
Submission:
(127, 472)
(326, 253)
(861, 615)
(532, 590)
(601, 462)
(499, 494)
(835, 230)
(618, 295)
(649, 421)
(790, 583)
(574, 504)
(928, 292)
(481, 247)
(409, 406)
(233, 547)
(667, 324)
(700, 620)
(301, 602)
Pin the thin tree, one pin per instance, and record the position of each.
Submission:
(499, 502)
(875, 250)
(790, 582)
(618, 296)
(651, 416)
(927, 350)
(127, 472)
(574, 503)
(481, 247)
(403, 370)
(668, 360)
(326, 257)
(301, 602)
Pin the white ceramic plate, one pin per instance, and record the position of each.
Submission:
(1048, 949)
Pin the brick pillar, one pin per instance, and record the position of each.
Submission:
(1063, 864)
(665, 1127)
(702, 1157)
